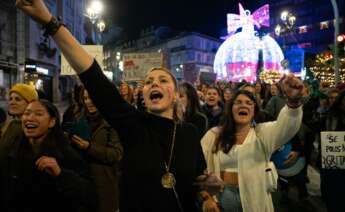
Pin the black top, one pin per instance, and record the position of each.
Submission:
(25, 188)
(146, 140)
(199, 120)
(213, 117)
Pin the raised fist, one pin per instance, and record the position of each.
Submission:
(36, 9)
(292, 87)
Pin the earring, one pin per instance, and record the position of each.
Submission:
(253, 124)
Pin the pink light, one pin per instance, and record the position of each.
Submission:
(237, 58)
(259, 18)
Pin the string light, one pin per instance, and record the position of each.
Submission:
(323, 68)
(270, 76)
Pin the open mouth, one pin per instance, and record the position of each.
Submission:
(156, 95)
(31, 126)
(243, 113)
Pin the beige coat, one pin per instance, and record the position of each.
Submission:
(252, 158)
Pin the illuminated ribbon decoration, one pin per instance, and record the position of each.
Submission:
(260, 17)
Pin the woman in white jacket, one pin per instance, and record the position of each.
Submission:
(237, 151)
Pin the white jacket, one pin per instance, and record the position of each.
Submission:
(252, 158)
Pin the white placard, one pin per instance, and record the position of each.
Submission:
(333, 150)
(136, 65)
(95, 51)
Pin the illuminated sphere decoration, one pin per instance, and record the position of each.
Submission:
(238, 57)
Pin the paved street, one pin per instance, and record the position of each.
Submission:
(313, 204)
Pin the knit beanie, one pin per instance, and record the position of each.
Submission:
(28, 92)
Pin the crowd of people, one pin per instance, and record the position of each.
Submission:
(163, 145)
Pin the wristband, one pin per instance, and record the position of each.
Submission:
(51, 28)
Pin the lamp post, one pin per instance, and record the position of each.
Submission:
(336, 32)
(288, 21)
(94, 13)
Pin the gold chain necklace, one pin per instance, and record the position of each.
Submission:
(168, 179)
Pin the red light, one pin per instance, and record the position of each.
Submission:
(341, 38)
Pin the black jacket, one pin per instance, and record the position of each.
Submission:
(199, 120)
(146, 140)
(23, 188)
(213, 119)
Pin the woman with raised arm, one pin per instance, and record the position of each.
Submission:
(162, 155)
(238, 150)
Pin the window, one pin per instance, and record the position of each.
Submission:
(303, 29)
(324, 25)
(199, 57)
(190, 56)
(197, 43)
(209, 59)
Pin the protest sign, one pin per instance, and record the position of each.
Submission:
(95, 51)
(136, 65)
(333, 150)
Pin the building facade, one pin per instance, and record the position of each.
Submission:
(314, 27)
(9, 53)
(27, 56)
(186, 54)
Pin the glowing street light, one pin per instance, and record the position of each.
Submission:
(288, 21)
(284, 15)
(278, 29)
(292, 20)
(101, 25)
(97, 6)
(94, 11)
(340, 38)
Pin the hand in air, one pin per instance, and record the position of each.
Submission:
(36, 9)
(292, 87)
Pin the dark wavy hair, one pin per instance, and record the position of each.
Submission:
(226, 137)
(193, 104)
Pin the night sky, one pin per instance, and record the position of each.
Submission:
(204, 16)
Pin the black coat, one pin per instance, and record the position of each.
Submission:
(23, 188)
(213, 119)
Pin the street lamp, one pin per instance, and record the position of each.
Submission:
(336, 32)
(94, 11)
(288, 22)
(101, 26)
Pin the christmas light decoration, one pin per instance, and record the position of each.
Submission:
(323, 70)
(239, 56)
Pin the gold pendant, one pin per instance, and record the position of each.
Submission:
(168, 180)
